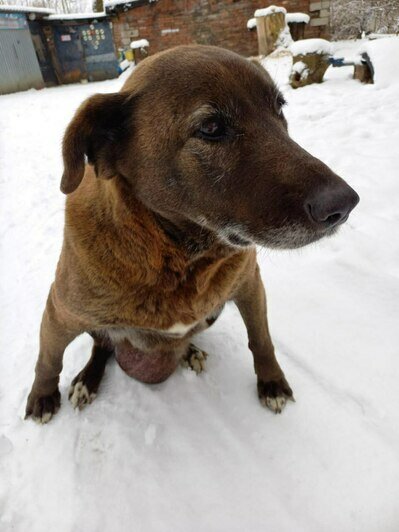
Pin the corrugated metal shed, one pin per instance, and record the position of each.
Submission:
(19, 67)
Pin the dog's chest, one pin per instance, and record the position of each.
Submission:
(175, 306)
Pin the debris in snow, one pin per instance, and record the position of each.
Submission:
(269, 11)
(251, 24)
(297, 18)
(311, 46)
(141, 43)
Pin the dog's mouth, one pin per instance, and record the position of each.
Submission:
(294, 237)
(290, 236)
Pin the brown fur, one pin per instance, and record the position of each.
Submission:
(161, 224)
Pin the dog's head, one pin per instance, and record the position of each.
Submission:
(199, 134)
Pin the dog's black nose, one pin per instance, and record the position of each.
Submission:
(331, 205)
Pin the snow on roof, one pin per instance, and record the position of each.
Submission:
(297, 17)
(311, 46)
(75, 16)
(384, 57)
(141, 43)
(251, 24)
(269, 11)
(26, 9)
(113, 3)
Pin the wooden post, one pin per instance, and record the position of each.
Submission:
(268, 29)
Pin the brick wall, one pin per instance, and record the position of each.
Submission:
(167, 23)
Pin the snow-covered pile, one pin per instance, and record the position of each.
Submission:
(200, 454)
(311, 46)
(285, 38)
(384, 56)
(140, 43)
(269, 11)
(297, 17)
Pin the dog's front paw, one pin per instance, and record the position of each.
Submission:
(274, 394)
(41, 409)
(81, 391)
(194, 359)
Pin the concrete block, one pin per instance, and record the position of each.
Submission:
(324, 13)
(315, 6)
(319, 21)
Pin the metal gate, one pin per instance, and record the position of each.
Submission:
(19, 67)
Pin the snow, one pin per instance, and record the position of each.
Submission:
(297, 17)
(301, 68)
(141, 43)
(269, 11)
(285, 38)
(198, 453)
(251, 24)
(76, 16)
(372, 36)
(25, 9)
(311, 46)
(113, 3)
(384, 56)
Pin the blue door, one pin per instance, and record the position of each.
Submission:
(99, 51)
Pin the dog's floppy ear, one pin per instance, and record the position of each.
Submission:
(97, 131)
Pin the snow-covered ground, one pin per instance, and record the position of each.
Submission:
(200, 454)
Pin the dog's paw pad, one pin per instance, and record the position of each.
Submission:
(42, 409)
(195, 359)
(79, 395)
(275, 394)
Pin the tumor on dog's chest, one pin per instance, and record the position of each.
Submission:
(149, 367)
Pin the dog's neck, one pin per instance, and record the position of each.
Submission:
(193, 238)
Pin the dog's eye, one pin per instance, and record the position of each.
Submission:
(212, 129)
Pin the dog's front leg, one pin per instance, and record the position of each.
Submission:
(273, 389)
(56, 332)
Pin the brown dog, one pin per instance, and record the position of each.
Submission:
(190, 166)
